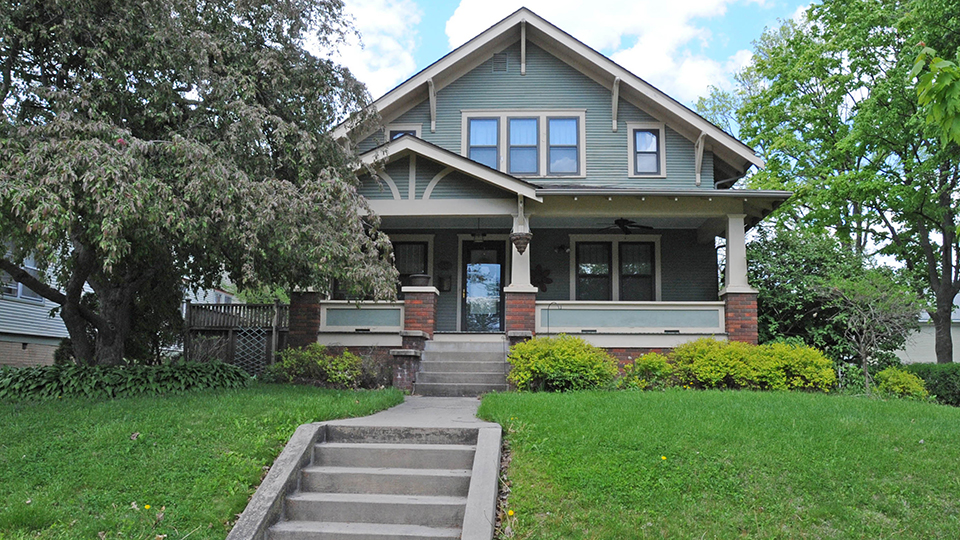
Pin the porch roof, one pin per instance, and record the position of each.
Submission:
(407, 144)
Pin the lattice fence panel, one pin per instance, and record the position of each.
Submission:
(251, 351)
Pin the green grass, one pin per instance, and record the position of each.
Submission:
(77, 468)
(738, 465)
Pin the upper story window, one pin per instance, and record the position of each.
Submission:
(647, 157)
(617, 268)
(526, 143)
(524, 154)
(398, 130)
(483, 143)
(13, 289)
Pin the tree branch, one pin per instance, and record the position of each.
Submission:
(22, 276)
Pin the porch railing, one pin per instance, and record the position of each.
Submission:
(349, 316)
(630, 317)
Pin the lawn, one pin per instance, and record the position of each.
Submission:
(88, 469)
(712, 464)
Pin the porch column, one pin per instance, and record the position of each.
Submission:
(520, 296)
(304, 318)
(740, 300)
(420, 310)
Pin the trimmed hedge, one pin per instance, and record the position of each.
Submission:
(941, 380)
(559, 363)
(52, 382)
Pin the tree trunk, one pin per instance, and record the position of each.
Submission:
(941, 324)
(116, 306)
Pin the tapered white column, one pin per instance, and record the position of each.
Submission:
(736, 274)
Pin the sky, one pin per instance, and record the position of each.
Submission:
(682, 46)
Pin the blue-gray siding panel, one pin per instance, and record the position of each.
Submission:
(374, 188)
(426, 171)
(460, 186)
(552, 84)
(29, 318)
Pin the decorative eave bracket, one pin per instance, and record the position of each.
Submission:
(433, 105)
(615, 103)
(698, 149)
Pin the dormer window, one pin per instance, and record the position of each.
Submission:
(395, 131)
(646, 150)
(525, 143)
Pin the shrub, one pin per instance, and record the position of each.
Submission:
(708, 363)
(897, 382)
(651, 370)
(51, 382)
(941, 380)
(559, 363)
(314, 364)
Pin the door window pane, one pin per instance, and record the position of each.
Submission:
(593, 271)
(482, 307)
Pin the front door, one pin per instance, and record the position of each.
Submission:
(482, 294)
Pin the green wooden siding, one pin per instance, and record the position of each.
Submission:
(460, 186)
(399, 171)
(552, 84)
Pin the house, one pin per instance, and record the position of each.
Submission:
(544, 189)
(921, 345)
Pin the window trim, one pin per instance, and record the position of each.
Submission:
(632, 128)
(615, 240)
(543, 116)
(415, 128)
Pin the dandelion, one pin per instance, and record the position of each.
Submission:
(146, 507)
(663, 458)
(509, 512)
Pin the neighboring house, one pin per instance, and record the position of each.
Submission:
(921, 345)
(28, 333)
(524, 137)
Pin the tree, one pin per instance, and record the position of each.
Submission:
(829, 104)
(140, 138)
(789, 269)
(938, 89)
(877, 314)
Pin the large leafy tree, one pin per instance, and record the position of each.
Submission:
(830, 104)
(140, 137)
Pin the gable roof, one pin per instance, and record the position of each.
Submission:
(524, 23)
(407, 144)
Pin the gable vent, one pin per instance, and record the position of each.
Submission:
(500, 63)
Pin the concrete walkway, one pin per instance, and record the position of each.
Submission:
(425, 412)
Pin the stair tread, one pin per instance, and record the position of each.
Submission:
(311, 496)
(396, 446)
(386, 470)
(366, 528)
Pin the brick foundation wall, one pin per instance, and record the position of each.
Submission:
(14, 354)
(304, 319)
(420, 312)
(521, 311)
(740, 314)
(400, 372)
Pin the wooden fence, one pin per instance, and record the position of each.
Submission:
(246, 335)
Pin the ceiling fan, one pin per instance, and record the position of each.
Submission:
(626, 226)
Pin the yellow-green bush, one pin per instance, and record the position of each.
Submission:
(314, 364)
(897, 382)
(651, 370)
(559, 363)
(708, 363)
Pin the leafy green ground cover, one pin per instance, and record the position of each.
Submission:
(721, 464)
(89, 469)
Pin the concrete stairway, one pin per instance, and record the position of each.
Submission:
(381, 483)
(462, 368)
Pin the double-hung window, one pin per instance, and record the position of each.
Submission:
(524, 156)
(410, 258)
(13, 289)
(526, 143)
(646, 149)
(616, 269)
(484, 141)
(564, 155)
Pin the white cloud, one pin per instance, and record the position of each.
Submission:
(658, 32)
(388, 30)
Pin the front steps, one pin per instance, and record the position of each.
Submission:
(462, 368)
(381, 483)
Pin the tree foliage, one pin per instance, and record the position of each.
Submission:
(180, 136)
(830, 105)
(938, 89)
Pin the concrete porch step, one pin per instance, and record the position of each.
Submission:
(402, 456)
(461, 378)
(386, 480)
(498, 366)
(466, 346)
(428, 511)
(311, 530)
(456, 389)
(460, 356)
